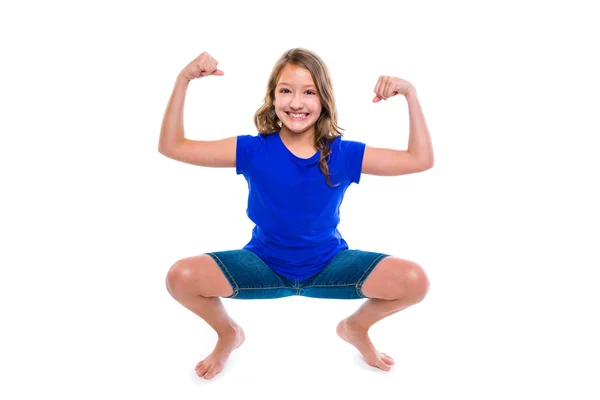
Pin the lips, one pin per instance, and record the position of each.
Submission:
(297, 116)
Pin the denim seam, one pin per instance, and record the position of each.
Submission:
(367, 271)
(236, 289)
(344, 284)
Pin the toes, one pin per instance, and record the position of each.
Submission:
(210, 373)
(387, 359)
(383, 366)
(379, 364)
(201, 371)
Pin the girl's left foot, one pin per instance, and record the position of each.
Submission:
(360, 339)
(214, 363)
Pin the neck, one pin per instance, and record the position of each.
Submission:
(306, 138)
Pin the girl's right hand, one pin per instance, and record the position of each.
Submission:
(203, 65)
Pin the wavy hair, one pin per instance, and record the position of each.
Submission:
(326, 127)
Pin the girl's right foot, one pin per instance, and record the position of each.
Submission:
(359, 338)
(215, 362)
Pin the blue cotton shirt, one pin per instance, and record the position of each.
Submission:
(296, 213)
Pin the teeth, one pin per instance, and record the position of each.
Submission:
(298, 115)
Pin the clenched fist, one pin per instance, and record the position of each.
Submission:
(203, 65)
(388, 86)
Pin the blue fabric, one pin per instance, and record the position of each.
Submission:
(342, 278)
(296, 213)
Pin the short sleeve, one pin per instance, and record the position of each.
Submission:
(246, 147)
(353, 157)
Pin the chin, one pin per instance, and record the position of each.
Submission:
(299, 130)
(301, 127)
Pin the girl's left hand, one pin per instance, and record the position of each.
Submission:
(388, 86)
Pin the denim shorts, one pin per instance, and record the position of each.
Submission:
(251, 278)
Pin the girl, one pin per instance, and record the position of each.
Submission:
(298, 168)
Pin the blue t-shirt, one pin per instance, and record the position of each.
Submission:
(295, 211)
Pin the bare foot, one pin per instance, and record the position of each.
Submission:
(215, 362)
(360, 339)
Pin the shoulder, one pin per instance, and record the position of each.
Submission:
(351, 155)
(351, 147)
(253, 142)
(248, 148)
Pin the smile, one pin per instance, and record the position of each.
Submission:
(297, 116)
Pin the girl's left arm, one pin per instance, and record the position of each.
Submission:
(419, 156)
(419, 140)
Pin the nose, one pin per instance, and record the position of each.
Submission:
(296, 102)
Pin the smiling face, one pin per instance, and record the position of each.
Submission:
(297, 103)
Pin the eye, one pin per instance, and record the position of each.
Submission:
(310, 92)
(284, 91)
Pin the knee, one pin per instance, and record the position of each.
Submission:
(179, 276)
(416, 283)
(406, 281)
(397, 279)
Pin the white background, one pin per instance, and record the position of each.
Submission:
(505, 224)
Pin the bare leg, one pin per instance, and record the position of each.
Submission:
(354, 329)
(195, 283)
(399, 284)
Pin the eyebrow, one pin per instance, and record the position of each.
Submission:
(289, 84)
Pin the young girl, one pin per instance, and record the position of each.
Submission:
(298, 168)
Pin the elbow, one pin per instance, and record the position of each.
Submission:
(165, 148)
(161, 145)
(422, 162)
(161, 150)
(425, 165)
(164, 151)
(429, 163)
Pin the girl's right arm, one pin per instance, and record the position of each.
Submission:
(172, 142)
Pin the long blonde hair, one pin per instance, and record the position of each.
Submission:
(326, 127)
